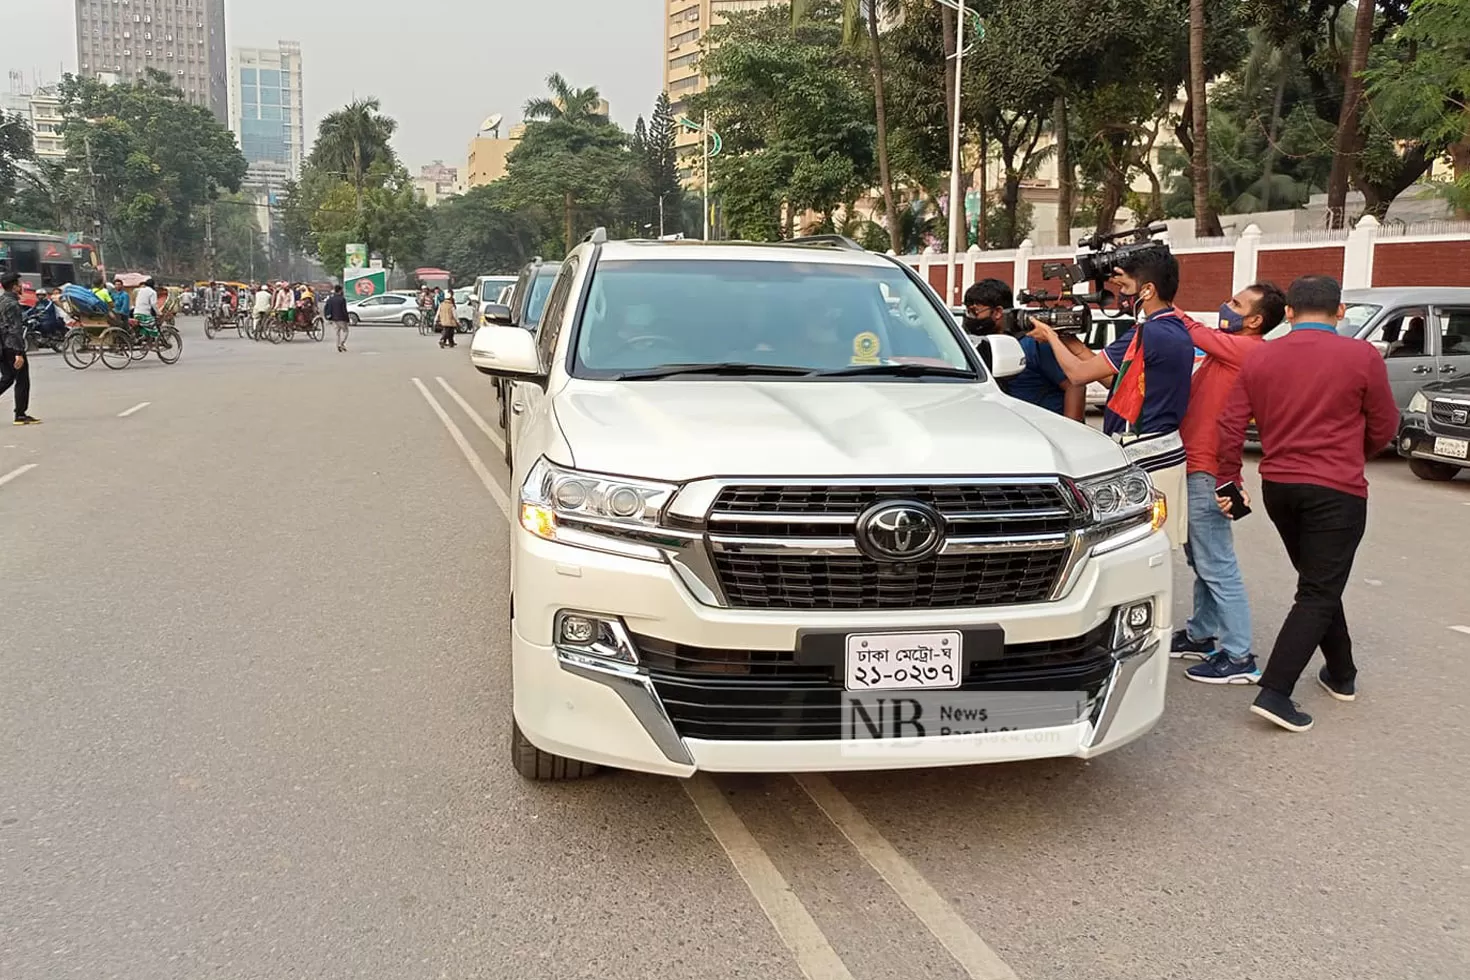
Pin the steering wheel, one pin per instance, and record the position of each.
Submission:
(649, 339)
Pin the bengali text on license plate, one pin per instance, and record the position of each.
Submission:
(1453, 448)
(899, 661)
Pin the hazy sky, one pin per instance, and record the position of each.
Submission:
(439, 66)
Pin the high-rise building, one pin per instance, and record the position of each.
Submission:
(184, 40)
(268, 118)
(438, 182)
(685, 27)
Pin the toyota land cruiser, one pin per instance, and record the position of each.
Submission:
(773, 514)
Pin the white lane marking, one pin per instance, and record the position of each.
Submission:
(815, 956)
(136, 408)
(1457, 629)
(471, 457)
(474, 416)
(963, 943)
(17, 472)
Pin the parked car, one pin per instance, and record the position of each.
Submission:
(385, 308)
(486, 291)
(1434, 432)
(466, 307)
(522, 308)
(736, 532)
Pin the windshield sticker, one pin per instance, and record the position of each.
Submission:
(865, 348)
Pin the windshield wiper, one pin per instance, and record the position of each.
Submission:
(729, 369)
(898, 371)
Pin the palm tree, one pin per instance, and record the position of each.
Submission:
(352, 139)
(869, 14)
(579, 106)
(1206, 222)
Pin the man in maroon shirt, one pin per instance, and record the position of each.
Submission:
(1323, 407)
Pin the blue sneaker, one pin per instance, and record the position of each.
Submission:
(1220, 669)
(1184, 648)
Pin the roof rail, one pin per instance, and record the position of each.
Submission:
(836, 241)
(597, 236)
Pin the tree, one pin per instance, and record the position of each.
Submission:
(17, 148)
(866, 15)
(484, 232)
(1427, 86)
(663, 166)
(151, 161)
(578, 106)
(580, 171)
(1206, 222)
(351, 142)
(1349, 140)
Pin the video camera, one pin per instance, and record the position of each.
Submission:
(1096, 259)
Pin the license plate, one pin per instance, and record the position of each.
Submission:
(904, 661)
(1453, 448)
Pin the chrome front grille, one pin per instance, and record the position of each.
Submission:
(1450, 415)
(794, 546)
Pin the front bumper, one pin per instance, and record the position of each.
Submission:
(1416, 440)
(614, 714)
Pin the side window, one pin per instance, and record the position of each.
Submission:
(1405, 332)
(25, 257)
(556, 307)
(1454, 331)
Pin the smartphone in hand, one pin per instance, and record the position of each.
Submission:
(1231, 491)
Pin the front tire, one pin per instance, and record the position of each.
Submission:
(116, 348)
(170, 345)
(540, 766)
(1432, 470)
(354, 319)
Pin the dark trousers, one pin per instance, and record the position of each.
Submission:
(1321, 529)
(446, 337)
(21, 379)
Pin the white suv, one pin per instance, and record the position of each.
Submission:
(774, 515)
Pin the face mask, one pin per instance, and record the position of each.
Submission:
(1230, 321)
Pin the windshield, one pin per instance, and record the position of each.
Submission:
(540, 289)
(490, 288)
(817, 316)
(1358, 315)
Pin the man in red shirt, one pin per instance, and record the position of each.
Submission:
(1323, 406)
(1219, 632)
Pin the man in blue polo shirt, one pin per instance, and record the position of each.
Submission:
(1042, 383)
(1149, 367)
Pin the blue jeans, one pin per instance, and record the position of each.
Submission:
(1221, 609)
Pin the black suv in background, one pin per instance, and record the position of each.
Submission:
(1434, 433)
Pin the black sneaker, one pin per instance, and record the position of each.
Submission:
(1339, 690)
(1184, 648)
(27, 420)
(1281, 710)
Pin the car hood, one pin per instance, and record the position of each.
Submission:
(1459, 387)
(683, 430)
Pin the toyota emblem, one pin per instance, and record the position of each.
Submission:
(900, 531)
(1459, 416)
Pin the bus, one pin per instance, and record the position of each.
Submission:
(43, 261)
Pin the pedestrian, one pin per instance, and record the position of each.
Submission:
(1149, 367)
(1219, 632)
(262, 308)
(1323, 406)
(448, 321)
(15, 367)
(335, 312)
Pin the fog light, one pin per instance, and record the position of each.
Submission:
(1132, 628)
(1406, 443)
(1140, 616)
(577, 629)
(589, 635)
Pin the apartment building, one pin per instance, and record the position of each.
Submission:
(185, 39)
(685, 25)
(267, 114)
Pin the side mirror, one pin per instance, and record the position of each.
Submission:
(1381, 346)
(508, 352)
(1006, 357)
(498, 314)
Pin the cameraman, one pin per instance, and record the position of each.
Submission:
(1042, 382)
(1149, 367)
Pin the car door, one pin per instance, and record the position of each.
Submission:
(1453, 335)
(367, 310)
(528, 400)
(1408, 347)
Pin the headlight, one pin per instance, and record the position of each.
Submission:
(1124, 507)
(1419, 404)
(590, 510)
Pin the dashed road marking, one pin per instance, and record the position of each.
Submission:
(1457, 629)
(136, 408)
(793, 923)
(483, 426)
(928, 906)
(17, 472)
(471, 457)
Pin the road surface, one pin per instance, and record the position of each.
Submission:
(254, 698)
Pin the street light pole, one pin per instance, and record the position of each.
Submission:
(956, 206)
(706, 176)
